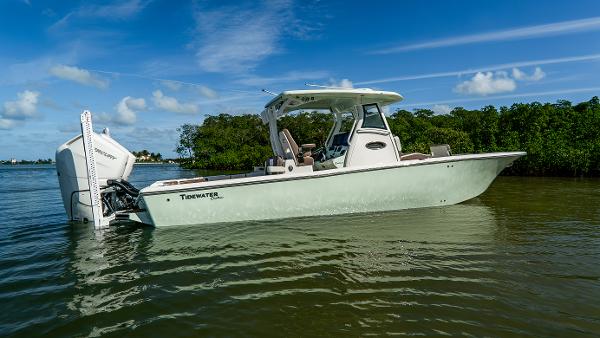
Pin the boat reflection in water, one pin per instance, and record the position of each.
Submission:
(520, 260)
(357, 272)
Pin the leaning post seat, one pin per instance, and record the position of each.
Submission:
(301, 156)
(307, 148)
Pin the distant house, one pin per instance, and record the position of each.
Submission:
(143, 158)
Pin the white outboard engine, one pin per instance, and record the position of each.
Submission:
(113, 165)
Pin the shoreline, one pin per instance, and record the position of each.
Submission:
(54, 163)
(508, 174)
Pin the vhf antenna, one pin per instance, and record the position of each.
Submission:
(326, 87)
(268, 92)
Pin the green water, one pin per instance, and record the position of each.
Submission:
(523, 259)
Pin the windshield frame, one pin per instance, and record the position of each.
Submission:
(383, 125)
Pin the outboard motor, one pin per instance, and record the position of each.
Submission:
(113, 166)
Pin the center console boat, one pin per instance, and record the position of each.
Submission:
(361, 168)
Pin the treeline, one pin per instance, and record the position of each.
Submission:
(39, 161)
(145, 156)
(561, 139)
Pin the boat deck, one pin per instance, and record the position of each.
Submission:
(256, 176)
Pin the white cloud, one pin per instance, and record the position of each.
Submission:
(203, 91)
(343, 83)
(579, 58)
(173, 85)
(35, 70)
(171, 104)
(235, 39)
(126, 115)
(78, 75)
(207, 92)
(487, 83)
(288, 77)
(518, 74)
(24, 107)
(7, 124)
(441, 109)
(509, 96)
(127, 109)
(117, 10)
(499, 82)
(556, 28)
(13, 113)
(72, 128)
(537, 75)
(102, 117)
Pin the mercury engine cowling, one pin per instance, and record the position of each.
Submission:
(113, 166)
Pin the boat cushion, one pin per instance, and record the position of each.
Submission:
(290, 140)
(287, 140)
(414, 156)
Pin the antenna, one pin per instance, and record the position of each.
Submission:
(326, 87)
(268, 92)
(318, 86)
(168, 80)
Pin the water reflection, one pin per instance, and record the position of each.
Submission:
(366, 263)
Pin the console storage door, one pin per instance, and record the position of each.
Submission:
(372, 142)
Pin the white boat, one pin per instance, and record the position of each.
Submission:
(361, 168)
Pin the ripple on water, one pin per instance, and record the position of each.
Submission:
(520, 260)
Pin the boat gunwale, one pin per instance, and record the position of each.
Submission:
(159, 190)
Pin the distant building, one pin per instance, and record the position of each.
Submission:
(143, 158)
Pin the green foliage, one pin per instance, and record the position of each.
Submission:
(560, 139)
(187, 138)
(308, 127)
(145, 156)
(225, 142)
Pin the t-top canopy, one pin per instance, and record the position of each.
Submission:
(329, 98)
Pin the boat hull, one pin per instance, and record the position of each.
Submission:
(420, 184)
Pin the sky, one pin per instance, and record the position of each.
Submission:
(145, 67)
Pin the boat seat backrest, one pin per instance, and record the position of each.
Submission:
(293, 145)
(292, 151)
(286, 143)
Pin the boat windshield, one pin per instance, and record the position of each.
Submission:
(347, 122)
(373, 118)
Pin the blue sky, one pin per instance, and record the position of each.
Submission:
(145, 67)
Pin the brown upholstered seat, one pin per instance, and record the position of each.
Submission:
(303, 153)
